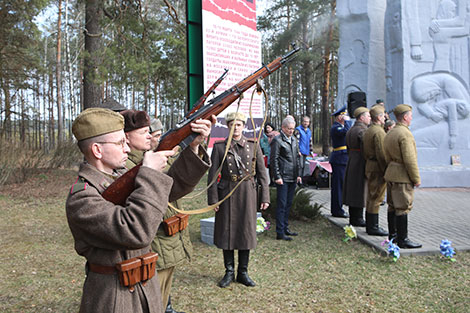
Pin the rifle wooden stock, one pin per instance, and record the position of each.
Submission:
(122, 187)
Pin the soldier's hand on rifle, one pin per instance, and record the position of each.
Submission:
(157, 160)
(203, 127)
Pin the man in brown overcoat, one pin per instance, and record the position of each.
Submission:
(107, 234)
(375, 170)
(402, 174)
(235, 218)
(354, 179)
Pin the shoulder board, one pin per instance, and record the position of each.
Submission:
(79, 185)
(251, 139)
(219, 141)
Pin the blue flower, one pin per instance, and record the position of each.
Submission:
(393, 250)
(446, 249)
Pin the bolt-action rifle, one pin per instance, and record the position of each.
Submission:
(182, 135)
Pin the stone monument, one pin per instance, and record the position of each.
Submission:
(414, 52)
(361, 53)
(427, 51)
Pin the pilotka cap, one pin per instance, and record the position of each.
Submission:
(94, 122)
(402, 108)
(155, 124)
(359, 111)
(376, 111)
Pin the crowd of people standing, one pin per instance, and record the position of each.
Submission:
(133, 249)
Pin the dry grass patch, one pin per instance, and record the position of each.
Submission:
(317, 272)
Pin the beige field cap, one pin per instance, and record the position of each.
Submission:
(235, 116)
(359, 111)
(376, 111)
(402, 108)
(96, 121)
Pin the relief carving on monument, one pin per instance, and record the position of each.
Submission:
(441, 95)
(441, 98)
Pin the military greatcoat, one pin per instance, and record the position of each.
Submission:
(235, 222)
(375, 166)
(354, 179)
(106, 234)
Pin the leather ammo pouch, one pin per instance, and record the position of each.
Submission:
(129, 272)
(139, 269)
(171, 225)
(149, 261)
(184, 220)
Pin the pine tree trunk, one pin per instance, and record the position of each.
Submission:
(91, 86)
(326, 84)
(58, 76)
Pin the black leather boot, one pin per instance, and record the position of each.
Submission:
(372, 225)
(242, 274)
(169, 309)
(392, 226)
(229, 269)
(402, 233)
(355, 217)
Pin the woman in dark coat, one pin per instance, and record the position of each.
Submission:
(235, 218)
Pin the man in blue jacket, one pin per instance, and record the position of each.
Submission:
(304, 135)
(338, 160)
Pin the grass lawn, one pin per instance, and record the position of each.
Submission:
(317, 272)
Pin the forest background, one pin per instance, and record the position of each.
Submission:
(59, 57)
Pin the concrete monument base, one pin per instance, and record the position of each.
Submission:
(445, 176)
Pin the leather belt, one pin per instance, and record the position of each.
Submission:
(340, 148)
(102, 269)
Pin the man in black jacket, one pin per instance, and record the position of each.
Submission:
(285, 170)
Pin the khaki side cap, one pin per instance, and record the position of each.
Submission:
(402, 108)
(95, 122)
(359, 111)
(376, 110)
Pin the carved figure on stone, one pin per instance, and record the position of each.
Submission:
(412, 19)
(441, 97)
(393, 53)
(396, 29)
(446, 31)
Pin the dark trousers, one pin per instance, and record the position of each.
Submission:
(285, 195)
(337, 179)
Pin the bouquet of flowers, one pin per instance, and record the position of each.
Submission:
(447, 250)
(393, 250)
(261, 225)
(350, 233)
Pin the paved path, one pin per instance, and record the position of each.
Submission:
(438, 213)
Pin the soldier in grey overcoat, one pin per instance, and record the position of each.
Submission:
(235, 218)
(107, 234)
(401, 175)
(355, 177)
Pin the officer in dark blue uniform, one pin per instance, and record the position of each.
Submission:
(338, 160)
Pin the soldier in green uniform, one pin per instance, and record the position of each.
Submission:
(375, 169)
(107, 234)
(172, 249)
(156, 130)
(137, 129)
(402, 174)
